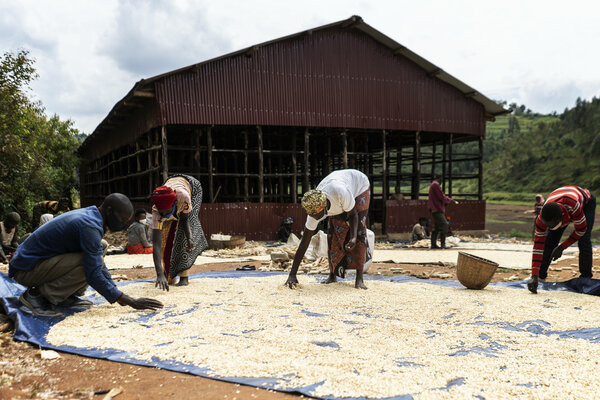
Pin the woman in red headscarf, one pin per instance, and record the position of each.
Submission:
(176, 227)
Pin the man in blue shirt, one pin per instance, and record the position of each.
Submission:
(60, 259)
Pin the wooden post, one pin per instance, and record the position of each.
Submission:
(384, 173)
(384, 167)
(209, 149)
(398, 165)
(433, 160)
(261, 188)
(444, 161)
(138, 179)
(450, 165)
(305, 184)
(197, 134)
(165, 161)
(246, 189)
(416, 182)
(149, 153)
(480, 175)
(345, 149)
(329, 160)
(294, 169)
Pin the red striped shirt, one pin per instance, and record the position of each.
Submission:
(571, 200)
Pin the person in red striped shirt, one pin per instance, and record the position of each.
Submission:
(564, 205)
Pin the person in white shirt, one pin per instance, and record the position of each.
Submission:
(343, 196)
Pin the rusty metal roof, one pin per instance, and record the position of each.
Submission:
(163, 99)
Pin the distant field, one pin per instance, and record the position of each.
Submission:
(526, 123)
(515, 220)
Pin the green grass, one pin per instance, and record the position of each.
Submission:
(517, 233)
(507, 198)
(506, 270)
(500, 221)
(526, 123)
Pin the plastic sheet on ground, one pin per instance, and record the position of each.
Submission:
(34, 329)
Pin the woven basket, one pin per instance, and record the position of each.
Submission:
(235, 241)
(474, 272)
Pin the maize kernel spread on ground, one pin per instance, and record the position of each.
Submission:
(393, 339)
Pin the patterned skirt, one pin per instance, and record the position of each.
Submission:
(176, 261)
(338, 235)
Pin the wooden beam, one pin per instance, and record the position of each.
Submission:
(250, 51)
(294, 171)
(444, 161)
(140, 93)
(261, 183)
(150, 176)
(329, 160)
(345, 149)
(138, 165)
(165, 160)
(416, 167)
(400, 50)
(480, 174)
(305, 185)
(384, 173)
(433, 161)
(398, 165)
(434, 72)
(209, 146)
(450, 165)
(132, 104)
(246, 189)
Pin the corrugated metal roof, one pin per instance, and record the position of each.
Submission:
(241, 99)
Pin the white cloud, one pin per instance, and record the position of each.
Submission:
(149, 38)
(90, 54)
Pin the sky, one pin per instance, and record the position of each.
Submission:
(89, 54)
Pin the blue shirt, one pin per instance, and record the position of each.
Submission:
(77, 231)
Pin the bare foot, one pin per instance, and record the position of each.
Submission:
(183, 281)
(360, 285)
(330, 279)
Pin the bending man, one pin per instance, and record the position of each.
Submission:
(564, 205)
(60, 259)
(344, 197)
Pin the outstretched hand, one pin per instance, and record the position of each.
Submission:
(557, 252)
(162, 282)
(142, 303)
(532, 284)
(145, 303)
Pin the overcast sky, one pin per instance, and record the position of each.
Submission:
(89, 54)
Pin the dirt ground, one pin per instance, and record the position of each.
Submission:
(25, 375)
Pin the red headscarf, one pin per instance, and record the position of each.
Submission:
(163, 197)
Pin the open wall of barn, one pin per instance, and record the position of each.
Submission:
(266, 124)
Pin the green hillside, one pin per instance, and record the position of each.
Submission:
(536, 153)
(525, 123)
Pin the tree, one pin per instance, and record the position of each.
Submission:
(38, 156)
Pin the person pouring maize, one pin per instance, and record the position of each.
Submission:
(344, 197)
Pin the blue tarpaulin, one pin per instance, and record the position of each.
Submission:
(33, 329)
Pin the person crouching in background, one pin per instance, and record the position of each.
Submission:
(137, 235)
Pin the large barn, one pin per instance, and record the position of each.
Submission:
(260, 126)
